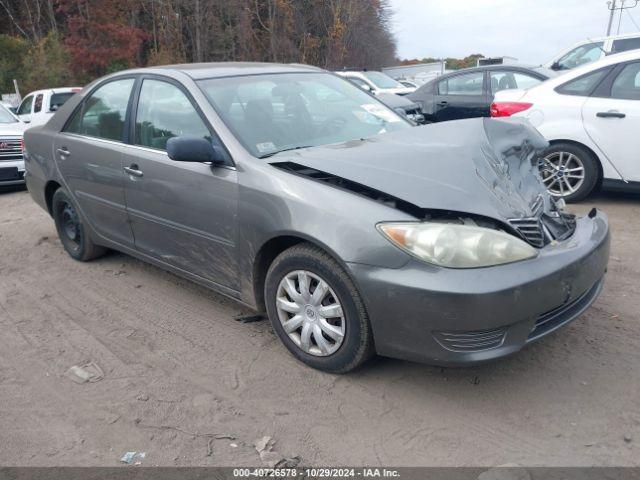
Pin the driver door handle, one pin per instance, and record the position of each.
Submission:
(133, 171)
(443, 103)
(63, 152)
(610, 114)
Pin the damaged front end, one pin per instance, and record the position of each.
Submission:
(479, 171)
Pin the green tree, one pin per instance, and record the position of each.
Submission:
(47, 65)
(12, 53)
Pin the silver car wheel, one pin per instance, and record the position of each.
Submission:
(310, 313)
(562, 173)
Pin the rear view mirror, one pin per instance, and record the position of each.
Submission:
(191, 148)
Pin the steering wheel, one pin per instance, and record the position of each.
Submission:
(331, 126)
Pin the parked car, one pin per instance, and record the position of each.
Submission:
(409, 84)
(403, 106)
(38, 107)
(591, 116)
(592, 50)
(356, 232)
(11, 146)
(469, 92)
(376, 82)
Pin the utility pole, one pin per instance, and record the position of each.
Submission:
(612, 9)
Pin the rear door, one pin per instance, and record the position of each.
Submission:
(611, 117)
(181, 213)
(88, 153)
(461, 96)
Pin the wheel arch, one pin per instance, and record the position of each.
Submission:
(49, 190)
(273, 247)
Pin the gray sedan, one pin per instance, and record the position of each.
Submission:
(292, 191)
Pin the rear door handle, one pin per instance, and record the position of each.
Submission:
(63, 152)
(133, 170)
(611, 114)
(442, 103)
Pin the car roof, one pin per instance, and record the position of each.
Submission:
(200, 71)
(483, 68)
(55, 90)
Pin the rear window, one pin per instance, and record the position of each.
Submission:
(58, 99)
(625, 44)
(584, 85)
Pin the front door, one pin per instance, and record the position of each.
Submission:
(181, 213)
(461, 96)
(88, 153)
(612, 120)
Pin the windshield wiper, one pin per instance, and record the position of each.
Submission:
(271, 154)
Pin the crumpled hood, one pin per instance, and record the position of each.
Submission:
(482, 166)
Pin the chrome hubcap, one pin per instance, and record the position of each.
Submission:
(310, 313)
(562, 173)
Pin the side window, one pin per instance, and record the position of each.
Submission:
(165, 112)
(469, 84)
(627, 83)
(580, 56)
(25, 106)
(584, 85)
(102, 114)
(625, 44)
(505, 80)
(37, 106)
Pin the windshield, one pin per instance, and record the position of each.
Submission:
(382, 81)
(580, 56)
(272, 113)
(5, 116)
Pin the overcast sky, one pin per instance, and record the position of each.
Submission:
(531, 30)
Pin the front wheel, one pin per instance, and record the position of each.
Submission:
(316, 310)
(569, 171)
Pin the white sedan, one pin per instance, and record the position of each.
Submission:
(591, 117)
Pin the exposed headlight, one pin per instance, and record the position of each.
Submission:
(457, 246)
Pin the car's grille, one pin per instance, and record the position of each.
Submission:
(10, 148)
(471, 341)
(530, 228)
(555, 318)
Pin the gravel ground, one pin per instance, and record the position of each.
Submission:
(177, 367)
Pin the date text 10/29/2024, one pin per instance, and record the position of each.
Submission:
(313, 473)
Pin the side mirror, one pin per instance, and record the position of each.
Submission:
(555, 66)
(54, 108)
(26, 119)
(191, 148)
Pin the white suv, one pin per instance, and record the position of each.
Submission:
(39, 106)
(592, 50)
(591, 117)
(11, 148)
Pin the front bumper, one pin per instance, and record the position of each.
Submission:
(458, 317)
(16, 170)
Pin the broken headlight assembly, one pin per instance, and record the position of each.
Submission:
(457, 246)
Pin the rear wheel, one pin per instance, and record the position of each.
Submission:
(316, 310)
(71, 229)
(569, 171)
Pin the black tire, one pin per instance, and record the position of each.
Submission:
(71, 229)
(357, 345)
(591, 170)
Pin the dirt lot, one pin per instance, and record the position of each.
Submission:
(176, 363)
